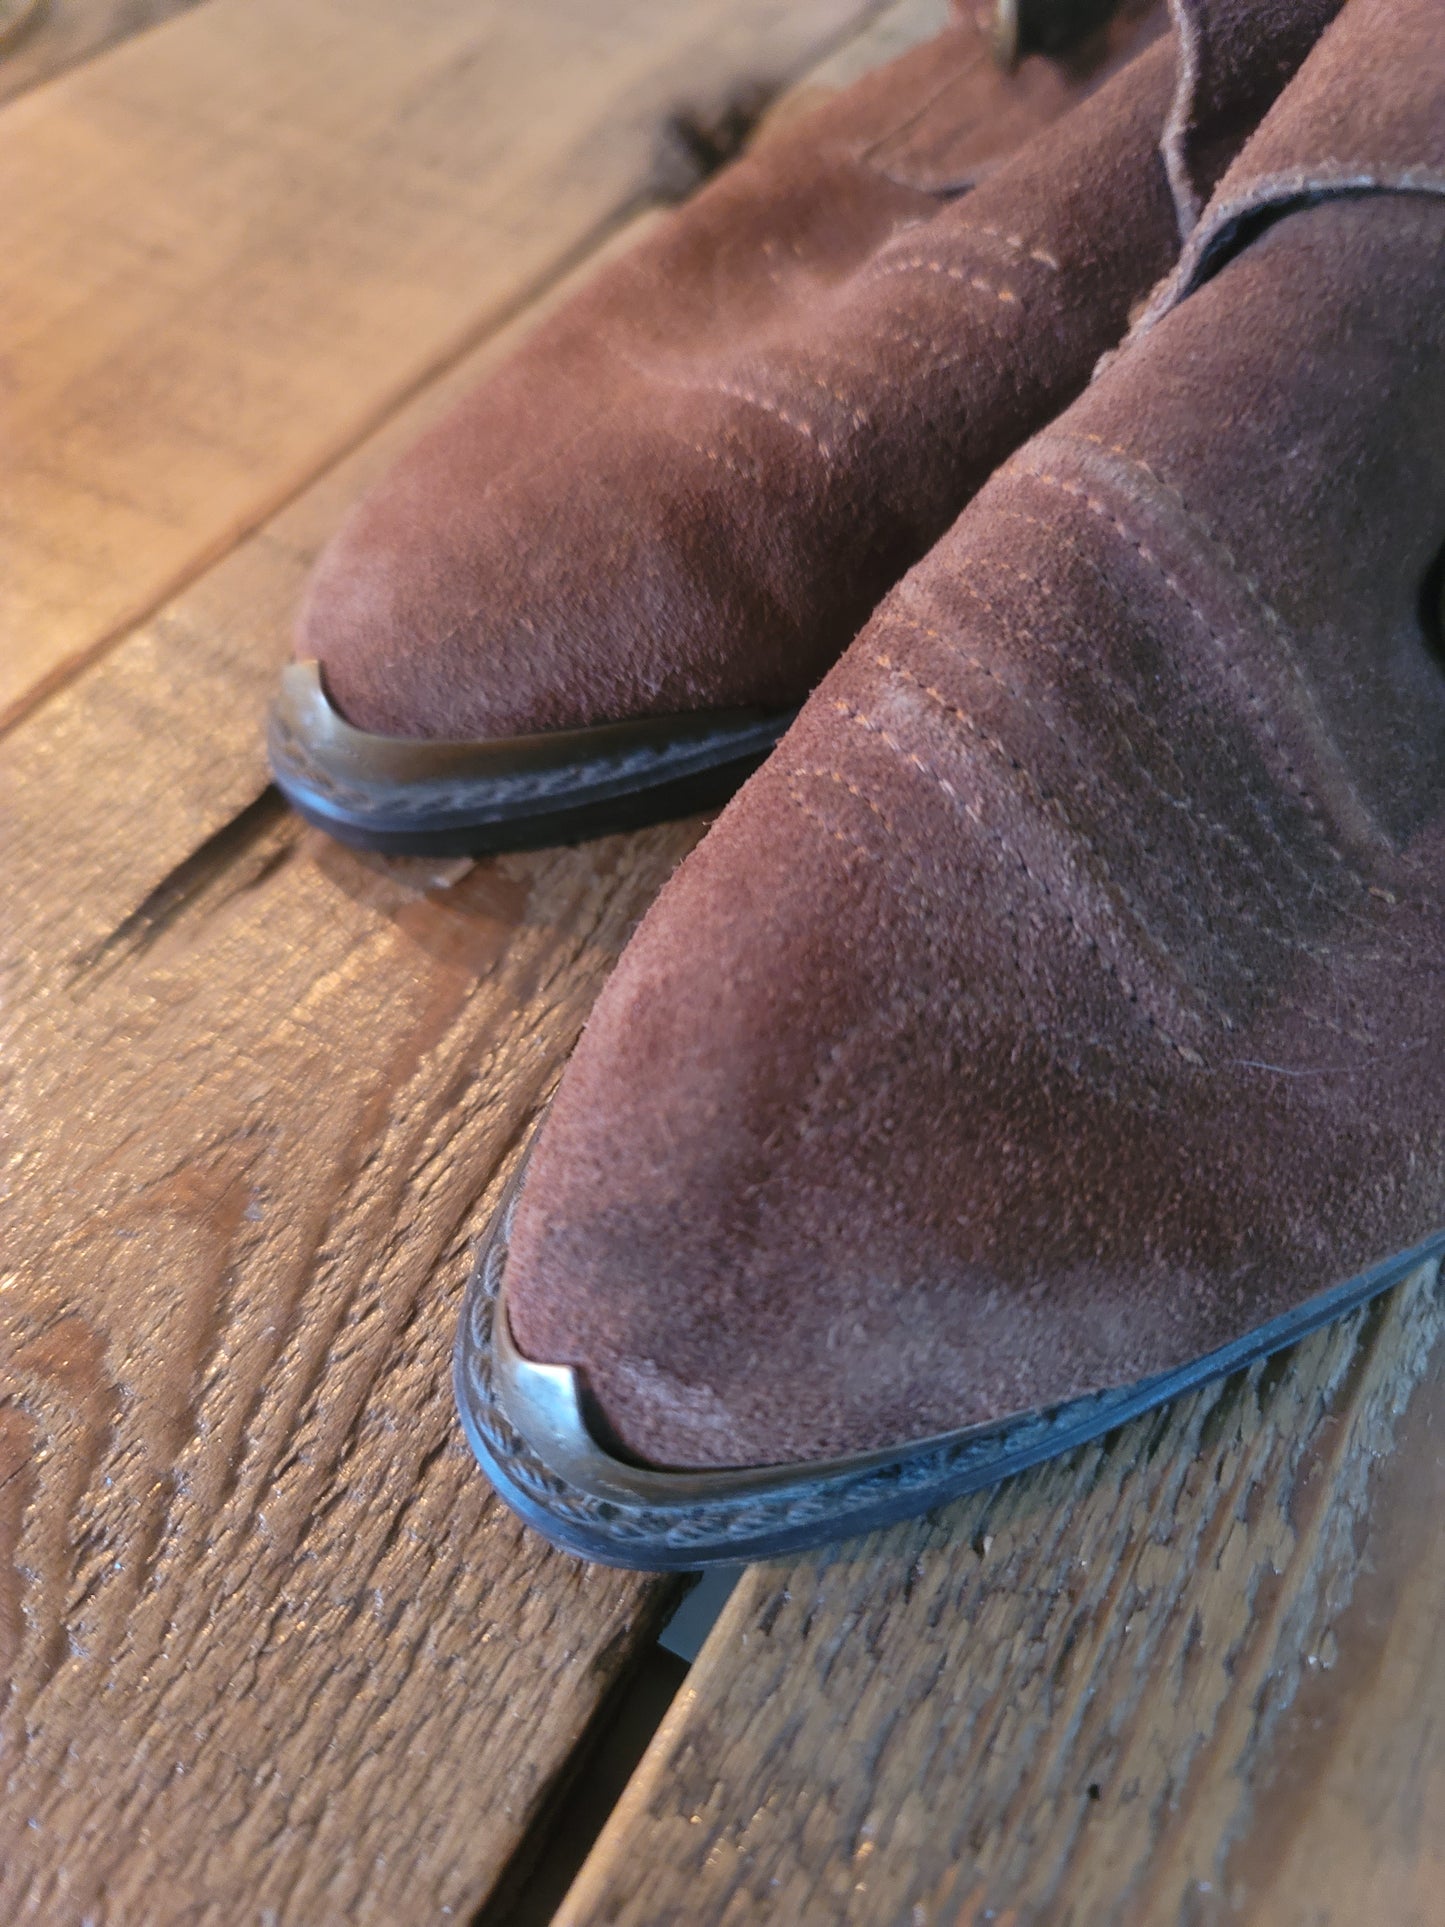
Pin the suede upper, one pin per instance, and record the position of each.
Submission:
(1065, 998)
(1234, 56)
(696, 481)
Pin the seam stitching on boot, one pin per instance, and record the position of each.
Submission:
(1103, 677)
(1141, 770)
(769, 407)
(920, 266)
(1232, 950)
(1228, 562)
(1224, 559)
(1252, 696)
(925, 344)
(1059, 537)
(860, 417)
(1079, 1040)
(975, 816)
(711, 454)
(1015, 243)
(838, 834)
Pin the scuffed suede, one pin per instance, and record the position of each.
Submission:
(697, 480)
(1066, 997)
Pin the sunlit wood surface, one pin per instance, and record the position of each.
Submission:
(269, 1652)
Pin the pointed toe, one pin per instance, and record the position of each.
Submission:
(678, 501)
(1056, 1021)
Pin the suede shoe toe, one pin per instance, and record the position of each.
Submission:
(607, 579)
(1059, 1017)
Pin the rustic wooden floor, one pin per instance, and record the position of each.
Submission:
(269, 1651)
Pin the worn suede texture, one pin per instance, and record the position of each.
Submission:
(695, 483)
(1066, 996)
(1234, 56)
(692, 485)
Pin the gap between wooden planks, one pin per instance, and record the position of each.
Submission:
(268, 1647)
(62, 33)
(233, 243)
(1195, 1674)
(267, 1642)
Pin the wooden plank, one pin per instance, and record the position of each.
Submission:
(272, 1646)
(234, 243)
(1194, 1673)
(886, 36)
(1348, 1821)
(267, 1642)
(57, 34)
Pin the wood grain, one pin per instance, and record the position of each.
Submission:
(270, 1638)
(269, 1649)
(886, 36)
(1191, 1674)
(1348, 1823)
(267, 1642)
(62, 33)
(234, 243)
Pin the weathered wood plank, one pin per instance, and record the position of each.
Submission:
(1193, 1674)
(266, 1640)
(234, 243)
(270, 1641)
(1348, 1821)
(886, 36)
(272, 1645)
(202, 671)
(58, 34)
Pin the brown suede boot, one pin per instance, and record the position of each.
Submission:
(604, 583)
(1059, 1018)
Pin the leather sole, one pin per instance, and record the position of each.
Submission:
(528, 1427)
(409, 796)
